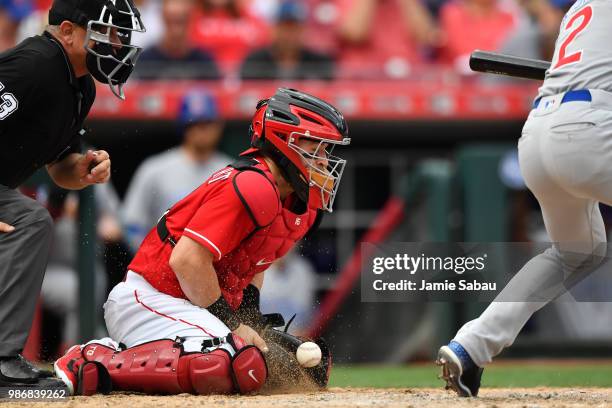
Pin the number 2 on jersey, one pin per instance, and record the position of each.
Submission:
(586, 13)
(9, 103)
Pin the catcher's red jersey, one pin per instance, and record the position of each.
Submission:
(221, 215)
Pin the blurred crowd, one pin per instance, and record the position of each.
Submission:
(317, 39)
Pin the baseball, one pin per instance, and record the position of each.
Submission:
(308, 354)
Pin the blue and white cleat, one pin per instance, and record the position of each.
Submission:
(458, 370)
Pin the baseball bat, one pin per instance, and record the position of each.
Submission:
(501, 64)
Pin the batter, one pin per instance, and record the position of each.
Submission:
(565, 153)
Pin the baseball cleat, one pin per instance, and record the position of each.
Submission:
(82, 377)
(66, 369)
(465, 381)
(17, 370)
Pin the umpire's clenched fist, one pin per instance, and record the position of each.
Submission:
(94, 167)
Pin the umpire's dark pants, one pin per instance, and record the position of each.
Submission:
(23, 259)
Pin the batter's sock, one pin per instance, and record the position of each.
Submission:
(466, 360)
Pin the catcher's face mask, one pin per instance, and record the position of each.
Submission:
(111, 59)
(324, 169)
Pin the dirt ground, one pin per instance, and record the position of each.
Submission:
(352, 397)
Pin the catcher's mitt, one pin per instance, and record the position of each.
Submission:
(284, 371)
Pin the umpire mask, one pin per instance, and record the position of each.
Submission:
(110, 23)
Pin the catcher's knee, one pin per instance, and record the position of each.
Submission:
(218, 373)
(206, 373)
(250, 370)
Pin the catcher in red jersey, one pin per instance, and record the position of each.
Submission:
(186, 318)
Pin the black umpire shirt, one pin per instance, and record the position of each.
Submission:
(42, 107)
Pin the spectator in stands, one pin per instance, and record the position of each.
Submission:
(473, 24)
(384, 37)
(536, 29)
(12, 12)
(165, 178)
(322, 26)
(287, 57)
(151, 12)
(43, 4)
(174, 57)
(265, 9)
(228, 30)
(35, 22)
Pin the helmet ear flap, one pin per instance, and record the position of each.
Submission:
(256, 129)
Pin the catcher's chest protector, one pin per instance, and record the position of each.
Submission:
(276, 231)
(265, 245)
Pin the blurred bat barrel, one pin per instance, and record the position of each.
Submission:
(501, 64)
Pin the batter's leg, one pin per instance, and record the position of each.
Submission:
(542, 277)
(576, 226)
(23, 259)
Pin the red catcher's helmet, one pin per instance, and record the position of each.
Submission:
(279, 126)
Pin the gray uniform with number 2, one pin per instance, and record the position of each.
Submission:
(565, 155)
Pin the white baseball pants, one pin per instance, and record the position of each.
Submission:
(136, 313)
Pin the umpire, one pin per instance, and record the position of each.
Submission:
(46, 91)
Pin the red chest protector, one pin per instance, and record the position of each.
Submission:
(263, 246)
(270, 239)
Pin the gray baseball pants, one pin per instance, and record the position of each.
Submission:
(565, 155)
(23, 259)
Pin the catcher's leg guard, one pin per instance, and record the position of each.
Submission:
(206, 373)
(161, 366)
(250, 370)
(150, 367)
(93, 378)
